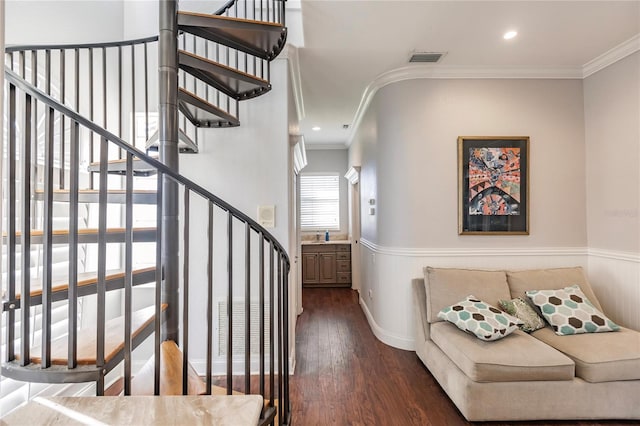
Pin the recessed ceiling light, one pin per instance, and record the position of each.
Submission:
(509, 35)
(316, 128)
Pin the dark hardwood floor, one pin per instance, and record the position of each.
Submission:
(345, 376)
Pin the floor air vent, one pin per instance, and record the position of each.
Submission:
(426, 57)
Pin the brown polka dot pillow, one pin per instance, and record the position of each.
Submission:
(480, 319)
(570, 312)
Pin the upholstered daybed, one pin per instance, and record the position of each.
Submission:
(524, 376)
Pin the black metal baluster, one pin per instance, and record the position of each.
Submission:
(210, 301)
(102, 262)
(285, 315)
(262, 322)
(91, 137)
(247, 311)
(104, 88)
(281, 352)
(120, 109)
(47, 240)
(159, 279)
(133, 94)
(185, 298)
(62, 118)
(128, 274)
(146, 94)
(271, 325)
(26, 213)
(11, 258)
(230, 302)
(74, 176)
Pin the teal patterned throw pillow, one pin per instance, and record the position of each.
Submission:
(480, 318)
(521, 309)
(570, 312)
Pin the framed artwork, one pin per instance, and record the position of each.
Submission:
(493, 185)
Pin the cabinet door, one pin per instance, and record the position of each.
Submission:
(327, 266)
(310, 268)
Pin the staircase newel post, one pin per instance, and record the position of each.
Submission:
(168, 149)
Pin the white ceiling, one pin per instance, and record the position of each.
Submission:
(347, 44)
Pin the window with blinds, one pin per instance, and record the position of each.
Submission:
(320, 202)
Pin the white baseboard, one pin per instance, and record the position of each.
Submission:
(383, 335)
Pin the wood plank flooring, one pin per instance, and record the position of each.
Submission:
(345, 376)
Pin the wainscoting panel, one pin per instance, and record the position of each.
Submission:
(615, 278)
(385, 294)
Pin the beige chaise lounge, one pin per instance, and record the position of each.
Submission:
(524, 376)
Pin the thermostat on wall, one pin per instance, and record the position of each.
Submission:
(267, 216)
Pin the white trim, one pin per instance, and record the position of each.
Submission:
(296, 81)
(436, 72)
(482, 252)
(615, 255)
(433, 72)
(612, 56)
(384, 336)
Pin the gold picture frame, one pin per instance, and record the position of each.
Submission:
(493, 185)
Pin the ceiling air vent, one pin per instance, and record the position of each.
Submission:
(426, 57)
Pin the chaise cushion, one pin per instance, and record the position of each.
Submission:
(599, 357)
(550, 279)
(518, 357)
(445, 287)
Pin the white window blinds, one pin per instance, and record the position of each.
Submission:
(320, 201)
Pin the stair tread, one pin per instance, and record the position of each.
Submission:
(229, 18)
(82, 231)
(114, 196)
(262, 39)
(114, 339)
(213, 115)
(89, 235)
(225, 67)
(84, 279)
(170, 374)
(119, 166)
(235, 83)
(97, 191)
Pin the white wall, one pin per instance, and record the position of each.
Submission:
(48, 21)
(612, 141)
(246, 166)
(332, 161)
(406, 146)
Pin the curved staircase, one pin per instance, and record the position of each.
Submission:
(86, 204)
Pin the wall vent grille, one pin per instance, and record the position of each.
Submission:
(426, 57)
(239, 328)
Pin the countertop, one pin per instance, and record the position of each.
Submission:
(317, 243)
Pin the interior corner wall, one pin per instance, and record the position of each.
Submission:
(612, 140)
(332, 161)
(406, 146)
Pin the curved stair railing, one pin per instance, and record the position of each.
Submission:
(70, 110)
(266, 267)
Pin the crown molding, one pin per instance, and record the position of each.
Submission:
(290, 53)
(435, 72)
(612, 56)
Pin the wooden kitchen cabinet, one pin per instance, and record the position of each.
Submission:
(326, 265)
